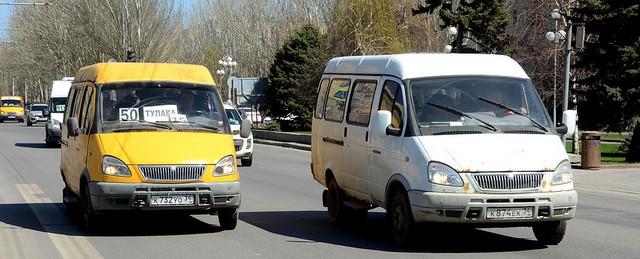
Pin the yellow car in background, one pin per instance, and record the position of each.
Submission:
(148, 137)
(11, 108)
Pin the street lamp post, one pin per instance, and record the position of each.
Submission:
(228, 66)
(555, 36)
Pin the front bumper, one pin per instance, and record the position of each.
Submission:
(37, 119)
(12, 117)
(137, 196)
(472, 208)
(244, 147)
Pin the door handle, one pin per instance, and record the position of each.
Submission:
(377, 152)
(345, 132)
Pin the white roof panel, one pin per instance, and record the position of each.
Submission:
(406, 66)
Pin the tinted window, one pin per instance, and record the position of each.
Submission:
(336, 100)
(58, 104)
(234, 116)
(360, 102)
(88, 109)
(392, 100)
(11, 103)
(492, 100)
(322, 96)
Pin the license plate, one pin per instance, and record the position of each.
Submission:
(12, 117)
(172, 200)
(509, 213)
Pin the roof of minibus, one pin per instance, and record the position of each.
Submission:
(102, 73)
(408, 66)
(6, 97)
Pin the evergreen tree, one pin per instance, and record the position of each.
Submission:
(294, 77)
(482, 22)
(611, 63)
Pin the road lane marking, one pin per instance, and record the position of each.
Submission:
(65, 237)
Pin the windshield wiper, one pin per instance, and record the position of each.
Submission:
(461, 113)
(205, 126)
(535, 123)
(145, 123)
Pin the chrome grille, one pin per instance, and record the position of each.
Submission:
(175, 173)
(508, 181)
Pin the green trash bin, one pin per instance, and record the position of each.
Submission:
(590, 152)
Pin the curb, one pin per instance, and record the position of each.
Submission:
(283, 144)
(620, 166)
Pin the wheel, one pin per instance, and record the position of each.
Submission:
(338, 212)
(70, 201)
(21, 121)
(401, 219)
(247, 161)
(90, 220)
(29, 123)
(550, 233)
(228, 218)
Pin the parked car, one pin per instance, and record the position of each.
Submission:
(11, 108)
(57, 107)
(243, 146)
(452, 138)
(36, 113)
(148, 137)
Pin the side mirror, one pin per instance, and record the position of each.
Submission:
(569, 119)
(72, 127)
(561, 129)
(382, 122)
(245, 128)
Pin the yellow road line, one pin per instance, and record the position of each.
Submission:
(55, 224)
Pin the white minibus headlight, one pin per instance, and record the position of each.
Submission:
(444, 175)
(114, 167)
(562, 174)
(226, 166)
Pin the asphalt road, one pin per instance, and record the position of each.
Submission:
(282, 217)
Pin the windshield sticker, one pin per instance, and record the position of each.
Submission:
(129, 114)
(162, 113)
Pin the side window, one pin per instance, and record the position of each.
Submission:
(70, 103)
(77, 107)
(322, 96)
(392, 100)
(359, 111)
(87, 107)
(336, 100)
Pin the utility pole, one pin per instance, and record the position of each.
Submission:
(13, 86)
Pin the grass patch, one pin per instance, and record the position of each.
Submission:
(612, 136)
(610, 154)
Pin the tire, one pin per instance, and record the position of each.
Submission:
(21, 121)
(335, 207)
(88, 217)
(340, 214)
(401, 219)
(72, 208)
(228, 218)
(29, 123)
(247, 161)
(550, 233)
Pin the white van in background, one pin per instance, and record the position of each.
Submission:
(57, 106)
(243, 146)
(451, 138)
